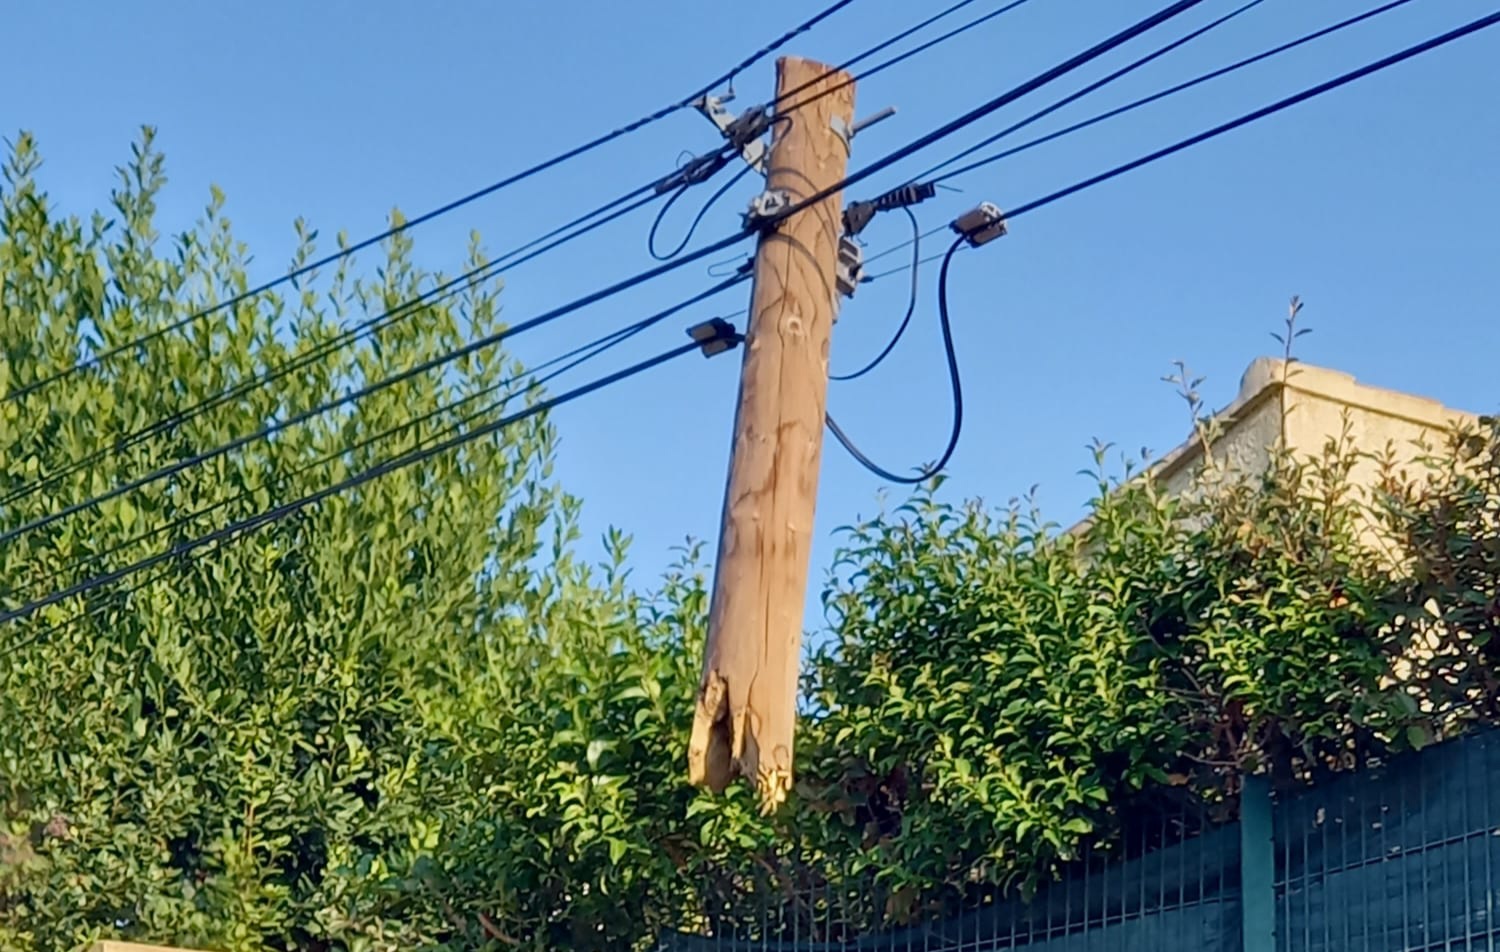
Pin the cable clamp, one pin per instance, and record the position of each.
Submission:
(699, 169)
(850, 268)
(766, 205)
(714, 336)
(742, 132)
(981, 224)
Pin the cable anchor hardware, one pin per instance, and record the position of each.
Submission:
(857, 215)
(714, 336)
(766, 205)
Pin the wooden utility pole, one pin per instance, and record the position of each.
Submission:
(747, 701)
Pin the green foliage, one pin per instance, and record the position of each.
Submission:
(411, 718)
(326, 735)
(998, 695)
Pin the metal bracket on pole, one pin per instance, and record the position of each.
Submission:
(766, 205)
(743, 132)
(847, 132)
(851, 266)
(714, 336)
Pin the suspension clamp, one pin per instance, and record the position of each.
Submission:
(981, 225)
(714, 336)
(743, 132)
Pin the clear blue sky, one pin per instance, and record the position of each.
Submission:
(1377, 204)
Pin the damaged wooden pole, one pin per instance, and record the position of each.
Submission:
(746, 712)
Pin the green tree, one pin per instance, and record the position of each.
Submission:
(326, 735)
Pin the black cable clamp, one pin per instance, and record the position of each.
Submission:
(714, 336)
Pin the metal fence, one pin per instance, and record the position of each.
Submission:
(1403, 858)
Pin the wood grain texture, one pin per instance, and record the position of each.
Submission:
(745, 716)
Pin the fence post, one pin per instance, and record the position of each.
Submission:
(1257, 867)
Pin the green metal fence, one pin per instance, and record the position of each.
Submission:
(1404, 858)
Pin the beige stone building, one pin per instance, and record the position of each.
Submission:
(1303, 407)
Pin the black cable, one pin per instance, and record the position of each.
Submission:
(895, 60)
(877, 48)
(1132, 106)
(914, 51)
(697, 219)
(1093, 87)
(250, 524)
(911, 305)
(773, 46)
(926, 472)
(1281, 104)
(563, 363)
(1180, 87)
(979, 112)
(942, 132)
(881, 275)
(120, 597)
(362, 331)
(359, 394)
(591, 145)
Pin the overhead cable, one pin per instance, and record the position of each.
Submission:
(250, 524)
(364, 330)
(1131, 107)
(1426, 46)
(516, 178)
(1093, 87)
(770, 221)
(303, 416)
(1173, 90)
(536, 378)
(955, 383)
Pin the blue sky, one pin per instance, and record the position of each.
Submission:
(1376, 204)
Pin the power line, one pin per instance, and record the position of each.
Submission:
(895, 60)
(250, 524)
(409, 307)
(1281, 104)
(979, 112)
(1131, 107)
(1095, 86)
(305, 415)
(782, 113)
(942, 132)
(492, 188)
(926, 472)
(361, 331)
(554, 367)
(911, 304)
(1180, 87)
